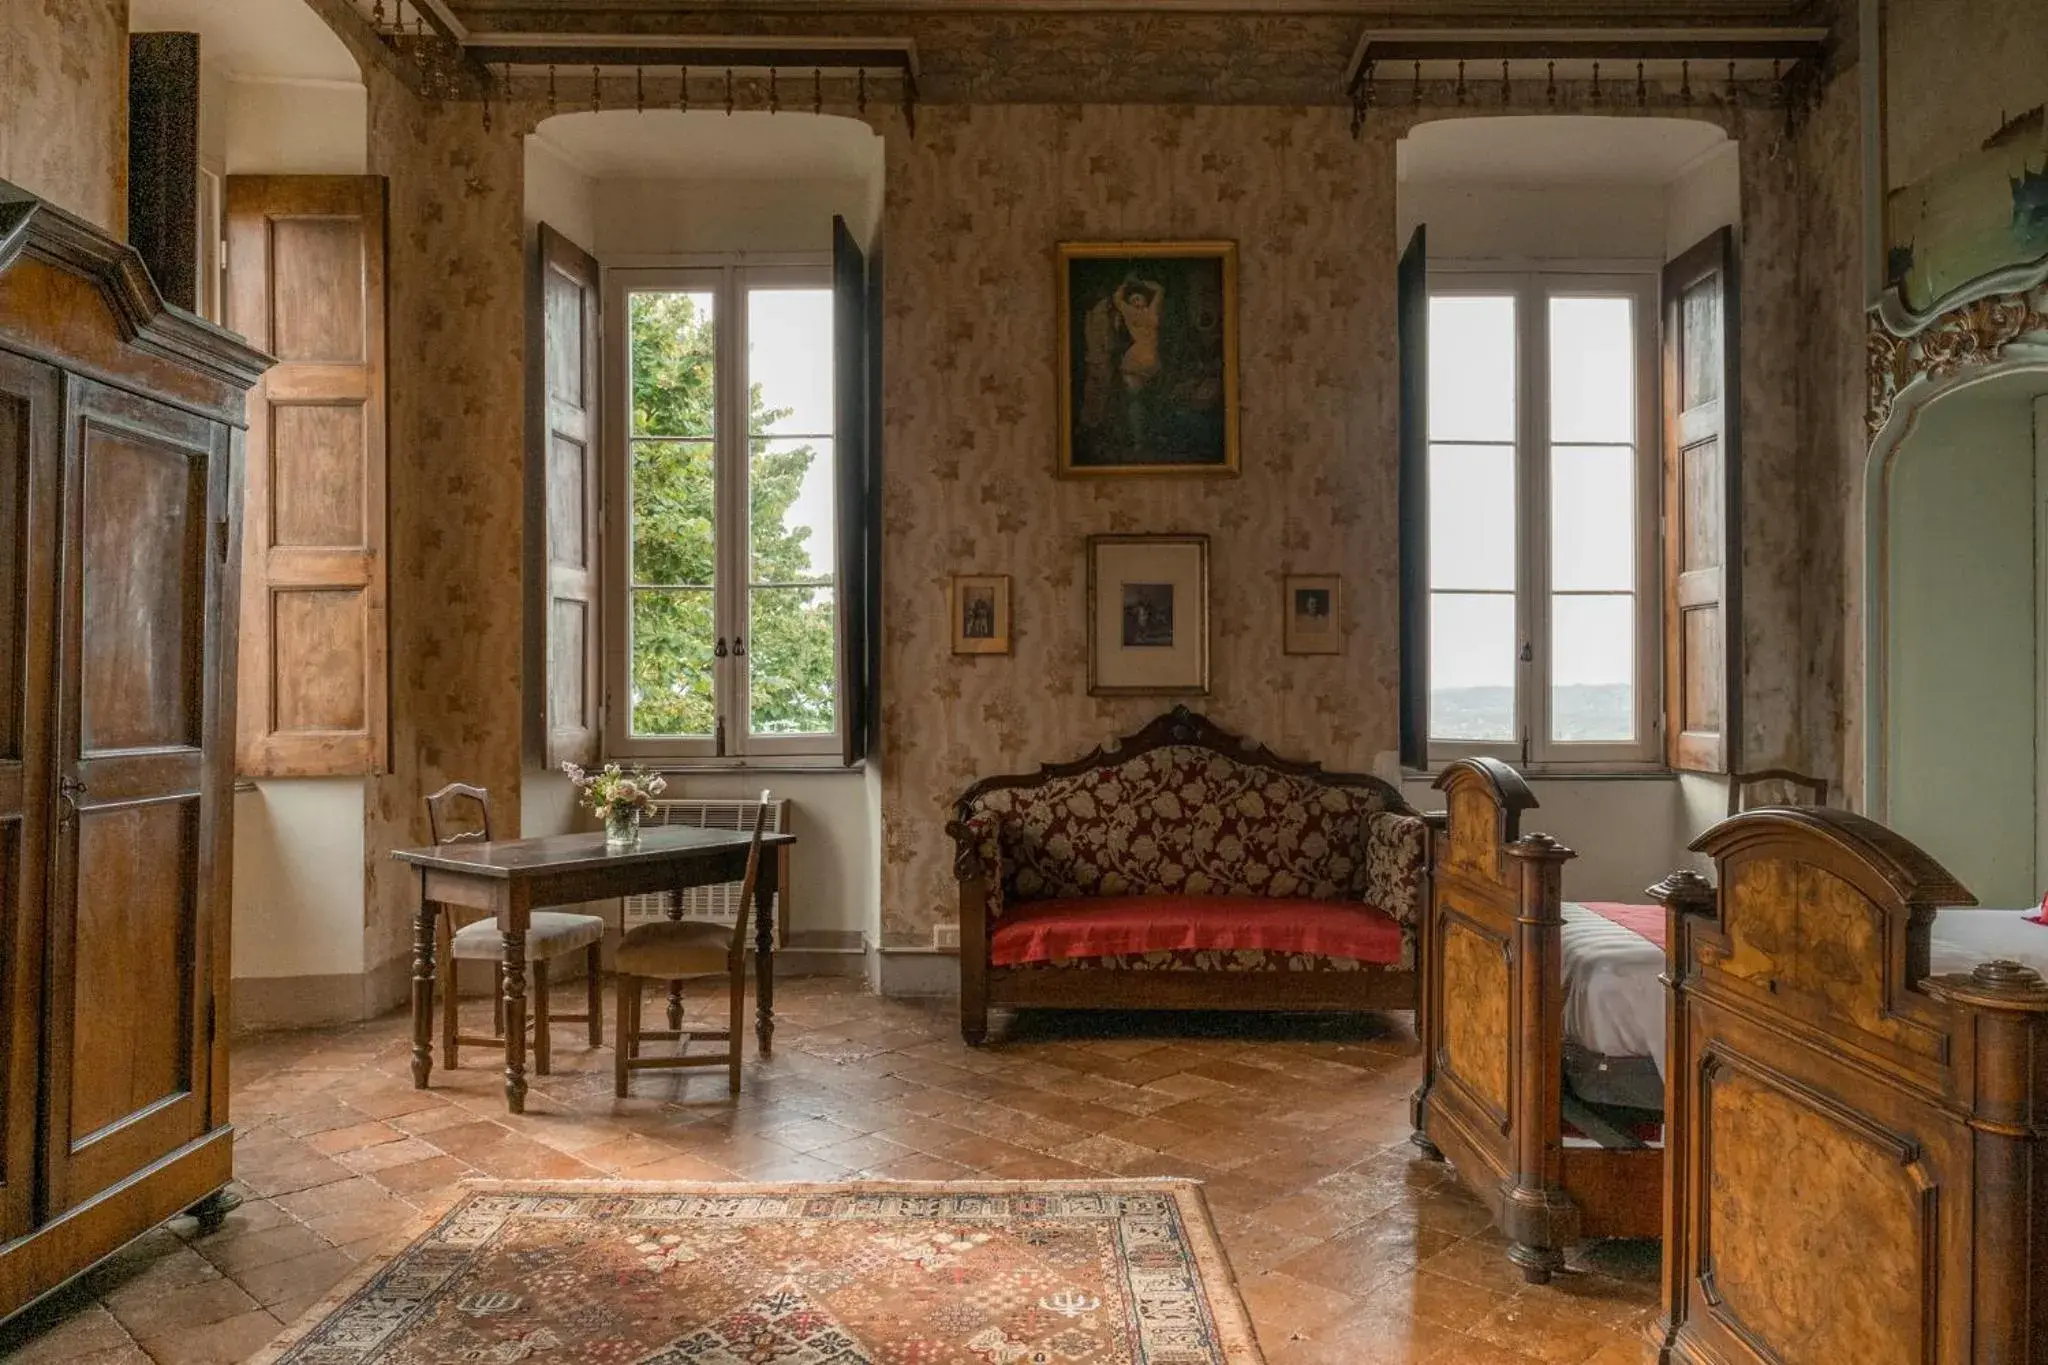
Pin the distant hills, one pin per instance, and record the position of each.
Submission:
(1586, 712)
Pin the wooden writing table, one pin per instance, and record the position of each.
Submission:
(510, 878)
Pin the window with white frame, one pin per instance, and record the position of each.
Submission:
(723, 620)
(1543, 488)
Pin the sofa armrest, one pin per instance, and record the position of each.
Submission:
(978, 864)
(1396, 848)
(978, 857)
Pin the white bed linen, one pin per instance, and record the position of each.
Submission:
(1613, 998)
(1964, 938)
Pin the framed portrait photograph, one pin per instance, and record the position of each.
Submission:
(980, 607)
(1148, 358)
(1148, 615)
(1312, 624)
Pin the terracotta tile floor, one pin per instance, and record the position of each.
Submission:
(1349, 1247)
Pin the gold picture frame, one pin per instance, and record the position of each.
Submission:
(1148, 615)
(1148, 379)
(1312, 614)
(979, 606)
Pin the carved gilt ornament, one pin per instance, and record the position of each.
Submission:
(1981, 332)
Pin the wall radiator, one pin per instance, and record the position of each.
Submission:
(718, 903)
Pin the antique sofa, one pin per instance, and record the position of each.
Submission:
(1186, 868)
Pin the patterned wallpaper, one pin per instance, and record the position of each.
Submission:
(64, 104)
(975, 204)
(1832, 401)
(974, 207)
(457, 323)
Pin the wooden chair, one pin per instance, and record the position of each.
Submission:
(459, 814)
(1814, 790)
(667, 950)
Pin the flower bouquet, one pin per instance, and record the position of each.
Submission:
(617, 797)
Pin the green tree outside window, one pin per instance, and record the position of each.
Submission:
(790, 636)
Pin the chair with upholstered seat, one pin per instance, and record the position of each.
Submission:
(459, 814)
(668, 950)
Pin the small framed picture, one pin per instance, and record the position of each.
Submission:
(1312, 625)
(1148, 615)
(980, 606)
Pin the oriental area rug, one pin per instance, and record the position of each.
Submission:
(866, 1273)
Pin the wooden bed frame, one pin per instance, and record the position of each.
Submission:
(1492, 1025)
(1858, 1152)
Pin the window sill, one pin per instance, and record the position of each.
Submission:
(1540, 773)
(712, 767)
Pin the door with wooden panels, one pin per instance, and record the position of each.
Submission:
(306, 282)
(138, 873)
(30, 405)
(1702, 507)
(565, 480)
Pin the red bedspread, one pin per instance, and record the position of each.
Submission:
(1109, 926)
(1645, 921)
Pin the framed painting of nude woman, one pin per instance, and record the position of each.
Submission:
(1148, 358)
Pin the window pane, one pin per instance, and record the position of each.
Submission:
(1472, 517)
(674, 512)
(671, 665)
(1471, 367)
(791, 492)
(1593, 668)
(789, 361)
(1472, 666)
(1593, 518)
(673, 347)
(1592, 369)
(791, 661)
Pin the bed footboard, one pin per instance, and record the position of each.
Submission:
(1493, 1012)
(1857, 1155)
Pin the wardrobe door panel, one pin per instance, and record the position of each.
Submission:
(133, 893)
(29, 408)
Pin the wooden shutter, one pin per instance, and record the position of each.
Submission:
(849, 448)
(163, 161)
(1702, 501)
(306, 283)
(563, 499)
(1412, 318)
(871, 508)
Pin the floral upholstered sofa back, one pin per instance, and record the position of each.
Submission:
(1184, 819)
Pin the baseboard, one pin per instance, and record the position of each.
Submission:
(267, 1003)
(914, 972)
(263, 1003)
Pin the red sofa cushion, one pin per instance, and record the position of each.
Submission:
(1108, 926)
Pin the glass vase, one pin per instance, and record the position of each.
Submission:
(621, 830)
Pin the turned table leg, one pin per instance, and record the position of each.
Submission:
(764, 959)
(515, 1019)
(675, 988)
(422, 989)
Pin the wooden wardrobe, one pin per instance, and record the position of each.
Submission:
(120, 479)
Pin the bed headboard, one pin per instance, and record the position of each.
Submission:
(1814, 1068)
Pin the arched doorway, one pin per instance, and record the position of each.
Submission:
(1957, 508)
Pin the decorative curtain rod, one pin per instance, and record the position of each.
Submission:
(483, 67)
(1605, 69)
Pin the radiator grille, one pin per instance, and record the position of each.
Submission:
(719, 903)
